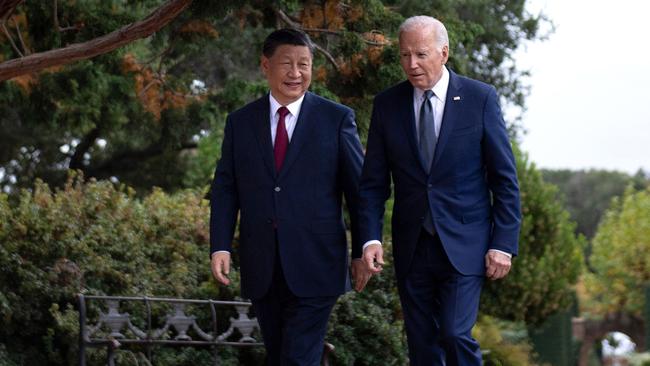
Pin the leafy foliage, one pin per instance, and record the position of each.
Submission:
(96, 239)
(99, 239)
(588, 194)
(550, 256)
(138, 116)
(620, 257)
(500, 350)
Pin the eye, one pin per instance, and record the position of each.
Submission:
(422, 54)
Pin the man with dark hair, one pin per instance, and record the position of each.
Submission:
(442, 140)
(287, 160)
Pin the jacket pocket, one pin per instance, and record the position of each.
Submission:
(464, 130)
(476, 214)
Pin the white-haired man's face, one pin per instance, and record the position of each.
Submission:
(420, 57)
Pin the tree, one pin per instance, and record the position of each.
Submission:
(118, 115)
(615, 292)
(543, 276)
(137, 116)
(588, 193)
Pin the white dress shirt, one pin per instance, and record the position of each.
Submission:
(438, 103)
(289, 120)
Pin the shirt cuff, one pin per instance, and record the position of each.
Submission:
(219, 251)
(370, 242)
(500, 251)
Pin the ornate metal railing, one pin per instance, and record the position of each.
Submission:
(114, 329)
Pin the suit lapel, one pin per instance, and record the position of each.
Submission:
(406, 101)
(300, 132)
(262, 127)
(449, 117)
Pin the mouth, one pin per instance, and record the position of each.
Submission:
(416, 75)
(293, 84)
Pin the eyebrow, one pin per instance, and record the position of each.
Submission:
(417, 50)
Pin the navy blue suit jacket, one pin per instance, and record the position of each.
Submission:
(301, 204)
(472, 188)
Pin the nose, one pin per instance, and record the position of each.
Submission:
(294, 71)
(412, 62)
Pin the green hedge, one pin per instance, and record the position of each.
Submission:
(96, 238)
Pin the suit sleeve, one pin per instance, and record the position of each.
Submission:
(351, 160)
(501, 178)
(374, 188)
(224, 201)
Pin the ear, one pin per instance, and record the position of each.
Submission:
(445, 54)
(264, 64)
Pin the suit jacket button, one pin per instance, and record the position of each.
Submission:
(277, 189)
(269, 221)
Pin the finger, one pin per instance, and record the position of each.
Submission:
(220, 273)
(376, 268)
(368, 258)
(358, 285)
(503, 271)
(361, 283)
(490, 272)
(380, 257)
(226, 266)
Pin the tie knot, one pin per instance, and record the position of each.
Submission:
(283, 111)
(428, 94)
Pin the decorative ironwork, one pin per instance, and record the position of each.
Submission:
(114, 329)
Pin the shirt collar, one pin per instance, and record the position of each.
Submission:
(294, 107)
(440, 89)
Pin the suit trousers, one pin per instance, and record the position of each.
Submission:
(440, 308)
(293, 327)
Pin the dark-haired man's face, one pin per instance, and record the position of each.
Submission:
(288, 72)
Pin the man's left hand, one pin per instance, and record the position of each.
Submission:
(498, 264)
(360, 274)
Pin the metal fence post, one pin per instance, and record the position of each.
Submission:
(82, 330)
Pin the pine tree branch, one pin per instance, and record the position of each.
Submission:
(55, 11)
(81, 51)
(26, 50)
(10, 38)
(7, 7)
(285, 18)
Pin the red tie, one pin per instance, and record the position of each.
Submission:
(281, 139)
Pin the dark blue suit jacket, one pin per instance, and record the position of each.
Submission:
(302, 202)
(472, 188)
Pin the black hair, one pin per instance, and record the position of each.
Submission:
(286, 36)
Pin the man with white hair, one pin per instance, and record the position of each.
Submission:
(442, 139)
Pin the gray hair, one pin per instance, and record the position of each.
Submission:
(424, 22)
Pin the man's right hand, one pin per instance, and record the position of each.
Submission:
(373, 257)
(220, 265)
